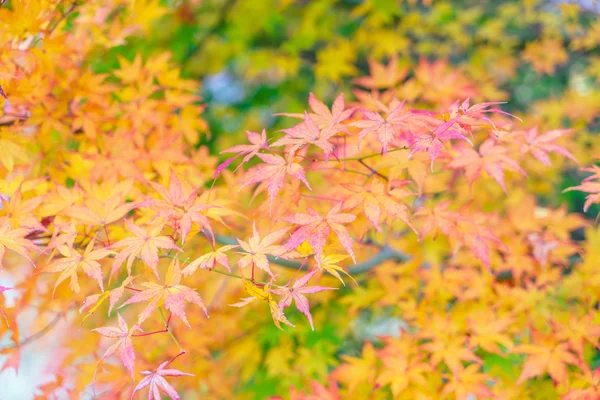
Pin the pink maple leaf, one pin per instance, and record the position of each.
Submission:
(467, 115)
(385, 128)
(433, 141)
(325, 118)
(158, 383)
(258, 141)
(181, 208)
(297, 294)
(172, 294)
(305, 133)
(491, 158)
(316, 229)
(123, 343)
(541, 145)
(273, 172)
(590, 185)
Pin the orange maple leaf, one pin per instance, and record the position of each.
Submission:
(14, 239)
(172, 294)
(546, 357)
(256, 250)
(491, 158)
(375, 198)
(144, 244)
(73, 260)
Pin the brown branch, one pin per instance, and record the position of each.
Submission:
(385, 253)
(39, 334)
(373, 170)
(64, 15)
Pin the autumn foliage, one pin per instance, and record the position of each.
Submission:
(401, 237)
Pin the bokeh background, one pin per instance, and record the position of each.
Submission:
(255, 58)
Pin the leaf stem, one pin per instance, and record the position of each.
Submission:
(149, 333)
(182, 352)
(162, 315)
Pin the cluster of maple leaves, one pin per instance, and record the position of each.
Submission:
(124, 206)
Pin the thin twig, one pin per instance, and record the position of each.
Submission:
(373, 171)
(41, 332)
(371, 155)
(62, 17)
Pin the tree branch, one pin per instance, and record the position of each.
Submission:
(385, 253)
(41, 332)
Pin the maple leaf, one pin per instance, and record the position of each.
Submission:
(297, 293)
(256, 250)
(542, 358)
(172, 294)
(385, 128)
(124, 343)
(258, 142)
(10, 153)
(325, 118)
(305, 133)
(541, 247)
(432, 142)
(95, 300)
(319, 392)
(383, 76)
(144, 244)
(316, 229)
(440, 217)
(375, 198)
(578, 331)
(14, 239)
(586, 387)
(357, 370)
(20, 212)
(264, 294)
(400, 370)
(489, 334)
(453, 351)
(467, 115)
(469, 382)
(541, 145)
(73, 260)
(101, 212)
(329, 264)
(180, 208)
(210, 260)
(158, 383)
(491, 158)
(273, 173)
(590, 185)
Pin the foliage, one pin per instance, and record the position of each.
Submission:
(415, 225)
